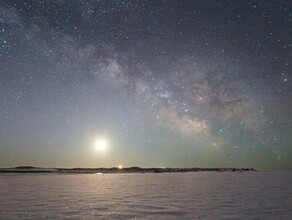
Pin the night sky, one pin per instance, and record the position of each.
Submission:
(163, 83)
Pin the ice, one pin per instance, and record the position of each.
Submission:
(201, 195)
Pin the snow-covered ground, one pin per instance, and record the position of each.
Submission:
(201, 195)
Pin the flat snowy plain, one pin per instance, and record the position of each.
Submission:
(200, 195)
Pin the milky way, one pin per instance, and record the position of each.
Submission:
(168, 83)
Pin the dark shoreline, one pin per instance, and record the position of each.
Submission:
(29, 169)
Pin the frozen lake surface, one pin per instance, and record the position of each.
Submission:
(201, 195)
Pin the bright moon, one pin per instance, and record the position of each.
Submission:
(100, 144)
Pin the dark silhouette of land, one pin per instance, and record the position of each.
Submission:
(31, 169)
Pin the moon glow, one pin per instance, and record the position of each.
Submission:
(101, 145)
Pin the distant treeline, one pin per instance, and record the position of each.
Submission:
(31, 169)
